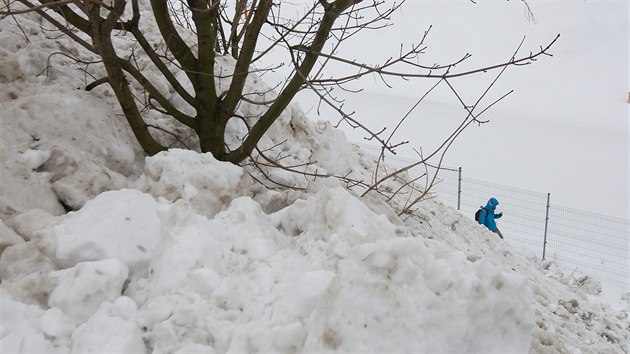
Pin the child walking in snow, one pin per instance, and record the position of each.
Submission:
(488, 216)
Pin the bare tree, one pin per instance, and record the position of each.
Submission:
(247, 30)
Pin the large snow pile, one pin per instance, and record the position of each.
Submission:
(182, 253)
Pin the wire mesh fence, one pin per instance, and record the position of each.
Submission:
(584, 240)
(587, 242)
(590, 243)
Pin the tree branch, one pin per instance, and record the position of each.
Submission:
(173, 40)
(330, 15)
(446, 75)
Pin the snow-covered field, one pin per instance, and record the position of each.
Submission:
(180, 253)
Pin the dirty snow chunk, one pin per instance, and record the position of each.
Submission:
(81, 290)
(24, 272)
(184, 248)
(116, 224)
(77, 178)
(472, 308)
(289, 337)
(31, 59)
(21, 189)
(308, 291)
(195, 348)
(8, 237)
(208, 184)
(113, 329)
(35, 158)
(75, 138)
(16, 315)
(56, 324)
(20, 330)
(194, 251)
(336, 216)
(58, 118)
(332, 149)
(222, 269)
(34, 225)
(258, 242)
(25, 341)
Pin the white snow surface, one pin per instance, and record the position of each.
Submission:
(181, 253)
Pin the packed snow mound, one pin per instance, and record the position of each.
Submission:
(59, 146)
(212, 186)
(88, 283)
(89, 236)
(325, 274)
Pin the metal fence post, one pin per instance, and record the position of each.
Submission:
(459, 189)
(546, 223)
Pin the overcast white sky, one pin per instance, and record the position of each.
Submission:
(565, 128)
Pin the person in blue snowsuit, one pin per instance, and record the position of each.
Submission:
(488, 216)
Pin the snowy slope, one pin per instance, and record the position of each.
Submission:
(180, 253)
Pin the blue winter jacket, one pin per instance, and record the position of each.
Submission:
(487, 214)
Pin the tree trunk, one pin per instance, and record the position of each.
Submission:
(102, 41)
